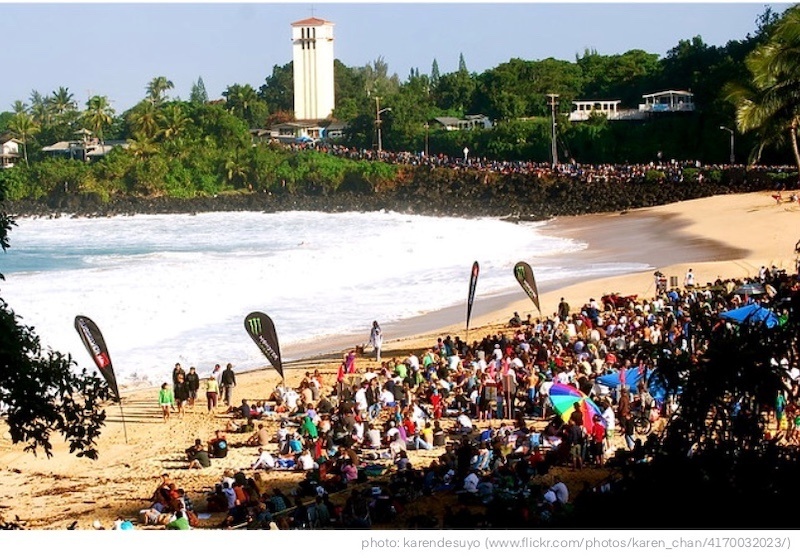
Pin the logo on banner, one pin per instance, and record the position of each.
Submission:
(255, 326)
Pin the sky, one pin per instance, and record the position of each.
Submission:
(115, 49)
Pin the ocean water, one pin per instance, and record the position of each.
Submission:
(176, 288)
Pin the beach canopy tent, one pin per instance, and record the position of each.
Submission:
(631, 378)
(752, 314)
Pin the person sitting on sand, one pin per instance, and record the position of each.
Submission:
(180, 523)
(200, 459)
(265, 460)
(191, 450)
(244, 427)
(259, 438)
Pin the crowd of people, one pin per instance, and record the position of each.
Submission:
(673, 170)
(481, 412)
(446, 401)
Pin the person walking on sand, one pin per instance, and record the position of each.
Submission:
(376, 340)
(193, 383)
(228, 383)
(212, 393)
(166, 399)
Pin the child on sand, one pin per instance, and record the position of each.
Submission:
(166, 399)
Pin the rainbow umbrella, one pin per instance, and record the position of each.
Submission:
(563, 398)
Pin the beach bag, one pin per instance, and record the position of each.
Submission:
(221, 449)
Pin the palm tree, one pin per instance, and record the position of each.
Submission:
(173, 120)
(156, 89)
(239, 99)
(62, 101)
(770, 104)
(18, 107)
(41, 110)
(144, 119)
(141, 146)
(98, 114)
(24, 126)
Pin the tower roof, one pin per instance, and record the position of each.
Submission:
(311, 22)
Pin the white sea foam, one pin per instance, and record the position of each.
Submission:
(169, 288)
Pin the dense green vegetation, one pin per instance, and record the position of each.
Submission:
(184, 149)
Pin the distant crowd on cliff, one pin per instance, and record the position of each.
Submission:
(673, 170)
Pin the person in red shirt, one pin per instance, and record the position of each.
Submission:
(436, 403)
(598, 438)
(408, 424)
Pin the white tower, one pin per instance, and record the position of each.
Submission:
(312, 54)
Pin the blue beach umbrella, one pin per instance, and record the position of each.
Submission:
(752, 314)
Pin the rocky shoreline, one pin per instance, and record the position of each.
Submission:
(423, 192)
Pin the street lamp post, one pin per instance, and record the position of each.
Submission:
(733, 156)
(426, 126)
(378, 112)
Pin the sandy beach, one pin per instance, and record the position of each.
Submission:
(726, 236)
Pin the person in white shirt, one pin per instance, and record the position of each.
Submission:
(361, 397)
(305, 462)
(471, 483)
(265, 460)
(560, 490)
(376, 340)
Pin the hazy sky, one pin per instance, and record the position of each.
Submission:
(114, 49)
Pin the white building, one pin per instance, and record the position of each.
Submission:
(9, 151)
(668, 101)
(312, 56)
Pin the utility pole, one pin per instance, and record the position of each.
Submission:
(553, 147)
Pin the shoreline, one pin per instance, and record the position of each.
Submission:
(606, 235)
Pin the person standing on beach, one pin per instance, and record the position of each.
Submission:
(563, 310)
(181, 394)
(212, 392)
(166, 399)
(376, 339)
(688, 281)
(177, 369)
(228, 383)
(193, 383)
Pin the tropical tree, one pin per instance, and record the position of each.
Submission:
(173, 121)
(770, 104)
(377, 81)
(18, 107)
(198, 94)
(98, 114)
(278, 89)
(41, 109)
(24, 126)
(62, 101)
(143, 120)
(243, 101)
(42, 394)
(156, 89)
